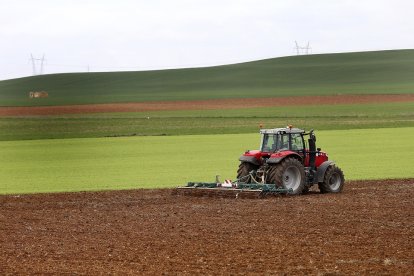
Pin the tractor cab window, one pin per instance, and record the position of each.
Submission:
(297, 142)
(275, 142)
(283, 142)
(269, 142)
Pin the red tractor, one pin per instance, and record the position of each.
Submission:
(290, 161)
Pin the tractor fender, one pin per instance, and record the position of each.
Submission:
(320, 173)
(279, 156)
(249, 159)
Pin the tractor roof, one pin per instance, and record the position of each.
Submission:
(282, 130)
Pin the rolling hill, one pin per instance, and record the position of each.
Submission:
(379, 72)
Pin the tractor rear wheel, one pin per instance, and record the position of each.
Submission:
(333, 181)
(289, 174)
(244, 170)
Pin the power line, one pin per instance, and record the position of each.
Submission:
(39, 64)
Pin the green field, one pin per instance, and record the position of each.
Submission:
(381, 72)
(148, 162)
(323, 117)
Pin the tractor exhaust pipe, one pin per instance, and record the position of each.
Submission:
(312, 149)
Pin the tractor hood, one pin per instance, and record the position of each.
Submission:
(253, 156)
(254, 153)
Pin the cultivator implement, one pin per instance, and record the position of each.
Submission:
(234, 189)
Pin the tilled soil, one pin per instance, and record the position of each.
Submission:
(367, 229)
(202, 104)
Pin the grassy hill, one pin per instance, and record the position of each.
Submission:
(169, 123)
(381, 72)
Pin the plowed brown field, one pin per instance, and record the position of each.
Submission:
(368, 229)
(203, 104)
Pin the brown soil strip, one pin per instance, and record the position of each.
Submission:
(203, 104)
(367, 229)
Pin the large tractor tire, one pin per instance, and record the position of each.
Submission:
(333, 181)
(244, 169)
(289, 174)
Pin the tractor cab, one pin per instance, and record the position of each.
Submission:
(278, 143)
(282, 139)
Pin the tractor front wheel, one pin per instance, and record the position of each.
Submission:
(243, 173)
(333, 181)
(289, 174)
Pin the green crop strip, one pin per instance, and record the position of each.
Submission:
(154, 162)
(323, 117)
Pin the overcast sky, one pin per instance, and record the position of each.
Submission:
(108, 35)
